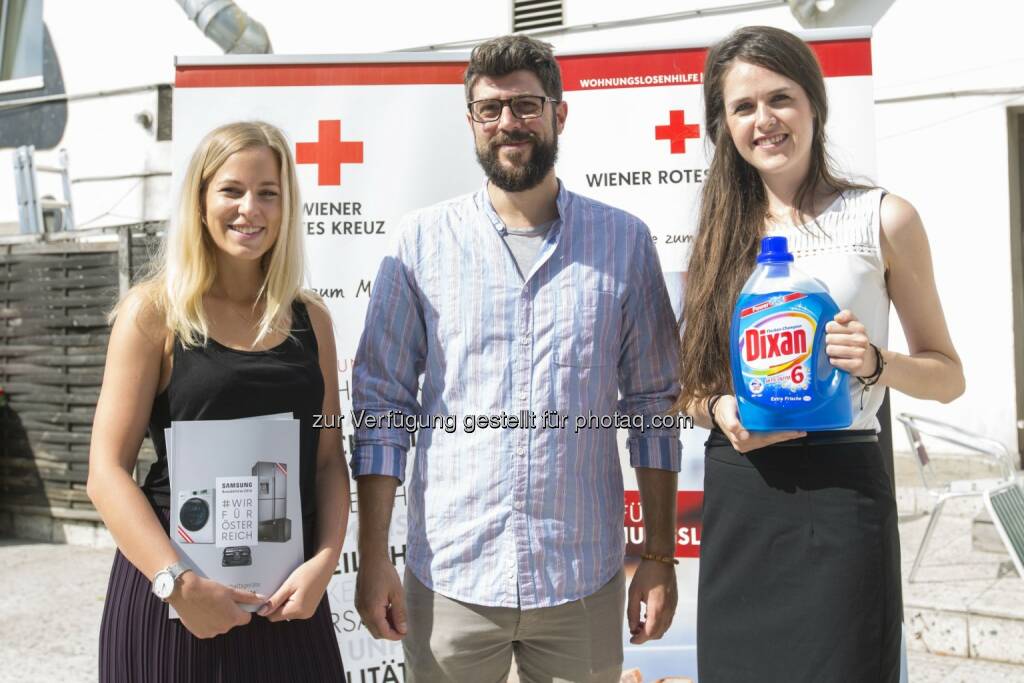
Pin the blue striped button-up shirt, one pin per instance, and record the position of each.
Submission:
(530, 515)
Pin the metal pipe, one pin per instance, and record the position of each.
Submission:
(978, 92)
(226, 24)
(64, 97)
(123, 176)
(65, 177)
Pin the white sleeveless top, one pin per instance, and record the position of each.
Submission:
(843, 252)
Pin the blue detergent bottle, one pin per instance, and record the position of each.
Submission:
(781, 374)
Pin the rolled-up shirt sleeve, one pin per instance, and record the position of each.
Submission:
(388, 364)
(649, 362)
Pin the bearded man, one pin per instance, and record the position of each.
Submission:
(527, 301)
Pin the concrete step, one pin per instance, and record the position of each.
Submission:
(965, 602)
(926, 668)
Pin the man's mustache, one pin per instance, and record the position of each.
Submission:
(512, 138)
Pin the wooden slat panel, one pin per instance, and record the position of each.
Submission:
(53, 417)
(54, 302)
(84, 379)
(37, 393)
(17, 284)
(57, 512)
(107, 258)
(100, 338)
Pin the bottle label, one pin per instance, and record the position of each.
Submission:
(776, 339)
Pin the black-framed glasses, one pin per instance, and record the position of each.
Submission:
(522, 106)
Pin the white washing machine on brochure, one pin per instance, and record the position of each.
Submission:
(195, 516)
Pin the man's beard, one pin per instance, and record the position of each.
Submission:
(521, 176)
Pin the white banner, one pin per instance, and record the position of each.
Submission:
(378, 136)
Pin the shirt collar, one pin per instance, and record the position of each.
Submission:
(562, 202)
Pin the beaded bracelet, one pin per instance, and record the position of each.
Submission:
(664, 559)
(872, 379)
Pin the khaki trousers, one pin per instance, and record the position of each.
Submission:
(449, 641)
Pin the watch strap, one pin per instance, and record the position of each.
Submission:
(176, 570)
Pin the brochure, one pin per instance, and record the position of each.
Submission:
(236, 513)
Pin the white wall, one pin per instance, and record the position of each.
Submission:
(682, 31)
(116, 44)
(123, 43)
(947, 156)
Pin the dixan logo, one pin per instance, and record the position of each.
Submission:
(759, 344)
(777, 343)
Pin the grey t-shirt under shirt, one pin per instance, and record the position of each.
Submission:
(524, 244)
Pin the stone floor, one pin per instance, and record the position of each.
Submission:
(50, 611)
(965, 612)
(927, 668)
(965, 602)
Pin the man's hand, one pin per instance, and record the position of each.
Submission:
(379, 598)
(654, 585)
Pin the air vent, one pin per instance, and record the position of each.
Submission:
(533, 14)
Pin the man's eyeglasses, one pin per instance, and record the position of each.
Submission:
(523, 107)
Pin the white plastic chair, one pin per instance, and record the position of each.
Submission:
(988, 450)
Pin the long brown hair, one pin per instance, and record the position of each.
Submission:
(733, 203)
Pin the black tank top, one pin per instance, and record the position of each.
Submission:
(213, 382)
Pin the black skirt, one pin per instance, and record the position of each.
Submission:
(138, 643)
(799, 566)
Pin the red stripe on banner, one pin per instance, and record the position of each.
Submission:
(283, 468)
(844, 57)
(632, 69)
(686, 67)
(250, 76)
(688, 523)
(184, 536)
(579, 72)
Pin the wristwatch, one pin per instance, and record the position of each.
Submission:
(163, 582)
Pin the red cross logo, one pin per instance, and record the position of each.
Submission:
(677, 132)
(329, 153)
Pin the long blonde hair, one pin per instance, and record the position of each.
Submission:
(186, 266)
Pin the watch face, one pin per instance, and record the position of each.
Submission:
(163, 585)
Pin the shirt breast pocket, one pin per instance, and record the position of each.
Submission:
(588, 328)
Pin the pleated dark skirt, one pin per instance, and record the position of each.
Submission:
(139, 644)
(799, 566)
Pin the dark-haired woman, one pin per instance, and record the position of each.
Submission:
(800, 572)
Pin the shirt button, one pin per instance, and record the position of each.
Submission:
(521, 452)
(525, 339)
(518, 505)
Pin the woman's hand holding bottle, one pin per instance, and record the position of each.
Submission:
(727, 417)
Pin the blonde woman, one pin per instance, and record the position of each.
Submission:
(221, 330)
